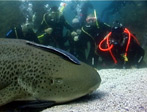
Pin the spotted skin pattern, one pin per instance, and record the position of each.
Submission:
(30, 73)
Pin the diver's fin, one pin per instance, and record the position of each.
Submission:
(26, 106)
(36, 104)
(57, 51)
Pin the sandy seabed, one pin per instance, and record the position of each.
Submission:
(121, 90)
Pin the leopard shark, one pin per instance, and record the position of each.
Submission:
(31, 71)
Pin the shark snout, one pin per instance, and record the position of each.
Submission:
(94, 81)
(89, 81)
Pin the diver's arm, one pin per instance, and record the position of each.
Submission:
(41, 29)
(43, 25)
(66, 24)
(107, 27)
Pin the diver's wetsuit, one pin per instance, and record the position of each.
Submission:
(17, 33)
(134, 54)
(56, 38)
(93, 35)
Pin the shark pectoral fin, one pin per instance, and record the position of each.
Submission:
(9, 93)
(34, 104)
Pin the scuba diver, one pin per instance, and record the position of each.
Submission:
(51, 29)
(91, 34)
(73, 39)
(121, 48)
(24, 31)
(81, 11)
(84, 12)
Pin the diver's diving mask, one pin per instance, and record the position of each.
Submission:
(54, 15)
(90, 19)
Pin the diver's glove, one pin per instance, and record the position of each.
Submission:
(48, 30)
(78, 31)
(76, 38)
(125, 60)
(41, 36)
(73, 34)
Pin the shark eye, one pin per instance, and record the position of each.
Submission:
(58, 80)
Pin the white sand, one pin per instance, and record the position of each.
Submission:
(122, 90)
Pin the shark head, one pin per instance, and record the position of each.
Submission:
(82, 80)
(72, 82)
(60, 77)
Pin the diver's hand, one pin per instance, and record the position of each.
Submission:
(78, 31)
(73, 34)
(48, 30)
(76, 38)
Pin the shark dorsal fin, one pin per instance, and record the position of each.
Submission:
(57, 51)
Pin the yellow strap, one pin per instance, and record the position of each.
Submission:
(16, 32)
(96, 19)
(125, 58)
(91, 38)
(107, 24)
(40, 36)
(87, 33)
(44, 20)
